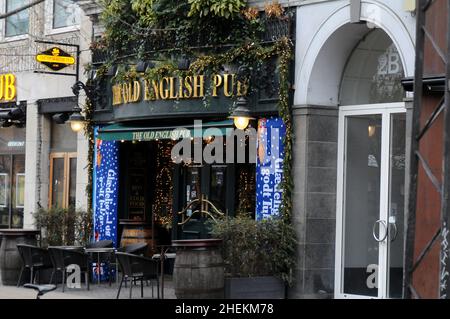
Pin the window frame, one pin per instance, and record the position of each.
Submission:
(49, 16)
(67, 156)
(18, 37)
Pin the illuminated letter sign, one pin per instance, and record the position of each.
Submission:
(55, 58)
(7, 88)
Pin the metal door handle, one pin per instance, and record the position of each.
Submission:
(381, 222)
(395, 231)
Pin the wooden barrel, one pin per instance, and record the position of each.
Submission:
(139, 233)
(199, 269)
(10, 261)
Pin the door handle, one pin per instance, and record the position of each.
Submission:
(381, 222)
(394, 225)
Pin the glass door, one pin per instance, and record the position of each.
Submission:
(369, 254)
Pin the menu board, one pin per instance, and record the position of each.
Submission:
(136, 198)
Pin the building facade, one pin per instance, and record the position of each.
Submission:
(352, 122)
(351, 130)
(43, 160)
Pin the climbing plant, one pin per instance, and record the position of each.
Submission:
(210, 34)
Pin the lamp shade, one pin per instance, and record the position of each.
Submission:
(241, 114)
(76, 121)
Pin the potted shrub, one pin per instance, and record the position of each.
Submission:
(62, 227)
(259, 256)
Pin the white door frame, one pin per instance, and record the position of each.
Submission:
(385, 110)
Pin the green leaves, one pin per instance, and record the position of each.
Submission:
(64, 226)
(227, 9)
(257, 248)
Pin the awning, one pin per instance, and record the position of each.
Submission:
(127, 132)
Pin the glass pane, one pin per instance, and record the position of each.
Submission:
(63, 138)
(5, 169)
(18, 191)
(58, 183)
(374, 72)
(218, 187)
(72, 181)
(362, 204)
(16, 24)
(396, 204)
(12, 140)
(65, 13)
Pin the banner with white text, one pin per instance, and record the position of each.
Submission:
(269, 167)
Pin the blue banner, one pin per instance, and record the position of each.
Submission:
(105, 194)
(106, 184)
(269, 167)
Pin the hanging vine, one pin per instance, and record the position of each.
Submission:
(211, 33)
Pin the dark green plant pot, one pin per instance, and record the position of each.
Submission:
(266, 287)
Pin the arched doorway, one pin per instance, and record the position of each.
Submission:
(371, 172)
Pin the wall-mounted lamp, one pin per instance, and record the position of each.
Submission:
(241, 114)
(77, 120)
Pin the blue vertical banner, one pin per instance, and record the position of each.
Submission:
(269, 167)
(105, 193)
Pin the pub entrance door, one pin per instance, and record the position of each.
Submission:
(370, 201)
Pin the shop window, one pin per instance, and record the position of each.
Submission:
(373, 72)
(63, 168)
(16, 24)
(12, 190)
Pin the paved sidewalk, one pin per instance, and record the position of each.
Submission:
(102, 291)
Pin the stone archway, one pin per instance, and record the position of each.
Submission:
(320, 62)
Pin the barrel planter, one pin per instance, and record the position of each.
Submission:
(10, 261)
(199, 269)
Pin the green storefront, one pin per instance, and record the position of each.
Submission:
(160, 197)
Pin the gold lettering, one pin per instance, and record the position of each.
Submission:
(2, 84)
(147, 95)
(188, 87)
(136, 91)
(10, 88)
(155, 90)
(226, 86)
(117, 95)
(163, 90)
(172, 89)
(180, 88)
(199, 84)
(217, 83)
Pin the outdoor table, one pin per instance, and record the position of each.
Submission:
(80, 248)
(99, 251)
(162, 256)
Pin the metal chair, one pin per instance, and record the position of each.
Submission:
(136, 249)
(137, 268)
(35, 259)
(61, 258)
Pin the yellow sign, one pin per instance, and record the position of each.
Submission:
(7, 87)
(177, 88)
(55, 58)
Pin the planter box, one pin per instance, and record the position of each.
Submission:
(255, 288)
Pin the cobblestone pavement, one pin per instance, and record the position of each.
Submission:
(102, 291)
